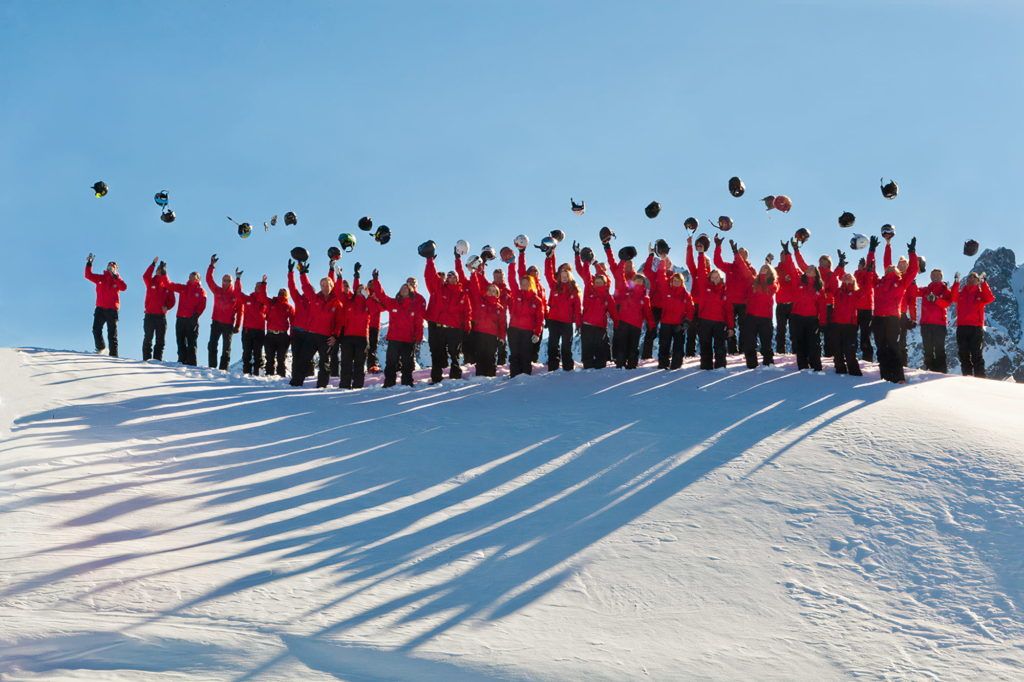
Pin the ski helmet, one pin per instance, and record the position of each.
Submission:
(557, 235)
(161, 198)
(652, 209)
(661, 247)
(802, 235)
(888, 231)
(244, 230)
(736, 187)
(289, 219)
(508, 256)
(858, 241)
(769, 202)
(167, 215)
(300, 254)
(462, 247)
(333, 252)
(474, 262)
(365, 223)
(521, 241)
(691, 224)
(579, 208)
(587, 254)
(547, 245)
(847, 219)
(487, 253)
(606, 234)
(889, 189)
(347, 240)
(382, 235)
(427, 249)
(273, 220)
(100, 189)
(703, 241)
(971, 247)
(782, 203)
(724, 223)
(627, 253)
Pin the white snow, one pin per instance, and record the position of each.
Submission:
(161, 522)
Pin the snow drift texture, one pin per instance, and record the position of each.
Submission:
(160, 521)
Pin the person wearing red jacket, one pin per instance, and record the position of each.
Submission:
(191, 304)
(300, 325)
(227, 313)
(757, 321)
(935, 298)
(908, 304)
(254, 327)
(829, 284)
(489, 323)
(533, 273)
(676, 316)
(280, 314)
(867, 278)
(598, 307)
(526, 321)
(503, 297)
(422, 302)
(405, 330)
(692, 266)
(323, 317)
(715, 319)
(159, 299)
(885, 323)
(109, 286)
(453, 320)
(563, 312)
(358, 307)
(845, 300)
(372, 361)
(784, 299)
(808, 313)
(970, 301)
(739, 275)
(632, 310)
(657, 294)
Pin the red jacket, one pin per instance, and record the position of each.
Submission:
(405, 315)
(323, 314)
(808, 297)
(970, 303)
(762, 297)
(452, 308)
(866, 281)
(909, 303)
(633, 306)
(659, 282)
(489, 316)
(934, 311)
(699, 267)
(254, 308)
(787, 278)
(526, 308)
(227, 303)
(191, 298)
(159, 297)
(712, 301)
(738, 276)
(108, 288)
(358, 312)
(280, 314)
(845, 301)
(300, 320)
(618, 276)
(676, 305)
(890, 290)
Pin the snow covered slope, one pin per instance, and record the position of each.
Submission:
(160, 521)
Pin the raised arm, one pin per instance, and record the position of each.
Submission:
(513, 281)
(214, 287)
(460, 271)
(430, 275)
(719, 261)
(887, 256)
(583, 270)
(90, 275)
(549, 270)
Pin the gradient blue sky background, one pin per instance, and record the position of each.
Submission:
(479, 120)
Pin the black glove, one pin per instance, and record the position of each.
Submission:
(733, 246)
(785, 246)
(455, 250)
(89, 259)
(912, 246)
(214, 259)
(376, 273)
(238, 273)
(576, 247)
(718, 240)
(956, 277)
(842, 257)
(873, 243)
(304, 268)
(356, 268)
(291, 265)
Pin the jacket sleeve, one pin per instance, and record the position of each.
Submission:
(887, 256)
(307, 289)
(201, 308)
(908, 279)
(801, 264)
(549, 270)
(648, 313)
(648, 268)
(90, 275)
(954, 293)
(120, 283)
(616, 268)
(583, 270)
(169, 299)
(209, 280)
(430, 275)
(292, 289)
(986, 294)
(378, 292)
(147, 276)
(513, 281)
(521, 261)
(719, 262)
(461, 272)
(691, 265)
(538, 324)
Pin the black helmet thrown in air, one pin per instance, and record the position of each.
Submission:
(847, 219)
(167, 215)
(652, 209)
(606, 234)
(301, 255)
(382, 235)
(365, 223)
(427, 249)
(736, 187)
(971, 247)
(889, 189)
(333, 252)
(290, 218)
(691, 224)
(100, 189)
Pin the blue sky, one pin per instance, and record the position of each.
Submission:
(479, 120)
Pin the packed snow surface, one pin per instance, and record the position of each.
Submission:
(160, 522)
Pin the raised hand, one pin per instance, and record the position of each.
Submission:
(912, 246)
(90, 258)
(291, 265)
(733, 246)
(785, 246)
(264, 280)
(795, 243)
(718, 240)
(238, 273)
(356, 268)
(304, 268)
(873, 243)
(214, 259)
(156, 259)
(769, 258)
(842, 257)
(376, 273)
(956, 277)
(576, 247)
(162, 266)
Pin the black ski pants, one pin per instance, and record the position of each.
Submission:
(969, 345)
(105, 317)
(220, 331)
(154, 333)
(933, 338)
(757, 332)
